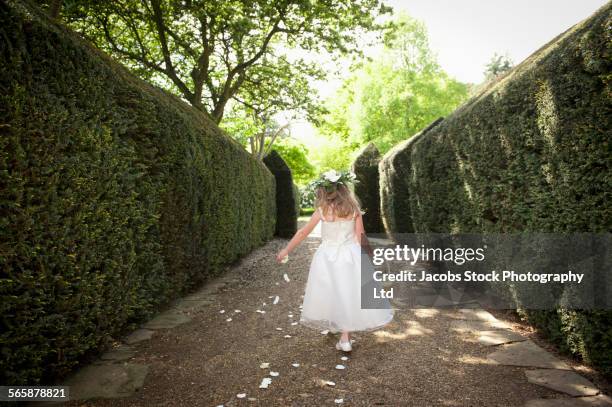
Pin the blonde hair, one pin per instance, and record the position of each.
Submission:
(338, 200)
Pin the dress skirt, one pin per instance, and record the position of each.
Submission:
(332, 300)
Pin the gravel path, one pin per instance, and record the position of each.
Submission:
(417, 360)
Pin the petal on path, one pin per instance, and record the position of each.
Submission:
(340, 367)
(338, 401)
(265, 382)
(264, 365)
(241, 395)
(286, 277)
(274, 374)
(276, 299)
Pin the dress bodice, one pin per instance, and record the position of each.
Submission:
(338, 231)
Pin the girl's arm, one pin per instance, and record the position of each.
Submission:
(300, 235)
(360, 235)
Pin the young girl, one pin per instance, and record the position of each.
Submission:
(332, 300)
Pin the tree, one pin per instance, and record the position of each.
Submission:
(215, 52)
(498, 65)
(296, 156)
(255, 132)
(390, 98)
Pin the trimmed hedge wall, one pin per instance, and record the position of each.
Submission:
(115, 197)
(365, 168)
(287, 203)
(530, 153)
(394, 172)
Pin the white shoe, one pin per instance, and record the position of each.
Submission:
(344, 346)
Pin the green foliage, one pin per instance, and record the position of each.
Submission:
(498, 65)
(333, 153)
(295, 155)
(367, 189)
(307, 211)
(390, 98)
(216, 52)
(308, 196)
(529, 154)
(115, 197)
(395, 192)
(287, 199)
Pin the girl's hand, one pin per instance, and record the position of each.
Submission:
(281, 255)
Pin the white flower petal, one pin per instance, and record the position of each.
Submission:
(228, 320)
(222, 311)
(290, 315)
(338, 401)
(274, 374)
(237, 311)
(294, 323)
(330, 383)
(276, 299)
(340, 367)
(287, 336)
(295, 364)
(286, 277)
(325, 332)
(264, 365)
(265, 382)
(344, 358)
(329, 175)
(279, 329)
(241, 395)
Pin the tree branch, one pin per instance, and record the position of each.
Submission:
(170, 70)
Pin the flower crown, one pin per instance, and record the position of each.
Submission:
(332, 178)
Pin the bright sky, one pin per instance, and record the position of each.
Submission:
(465, 34)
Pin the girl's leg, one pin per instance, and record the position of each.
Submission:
(344, 337)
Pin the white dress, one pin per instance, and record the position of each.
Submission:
(332, 299)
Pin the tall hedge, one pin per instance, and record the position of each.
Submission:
(529, 154)
(287, 203)
(365, 168)
(394, 172)
(115, 197)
